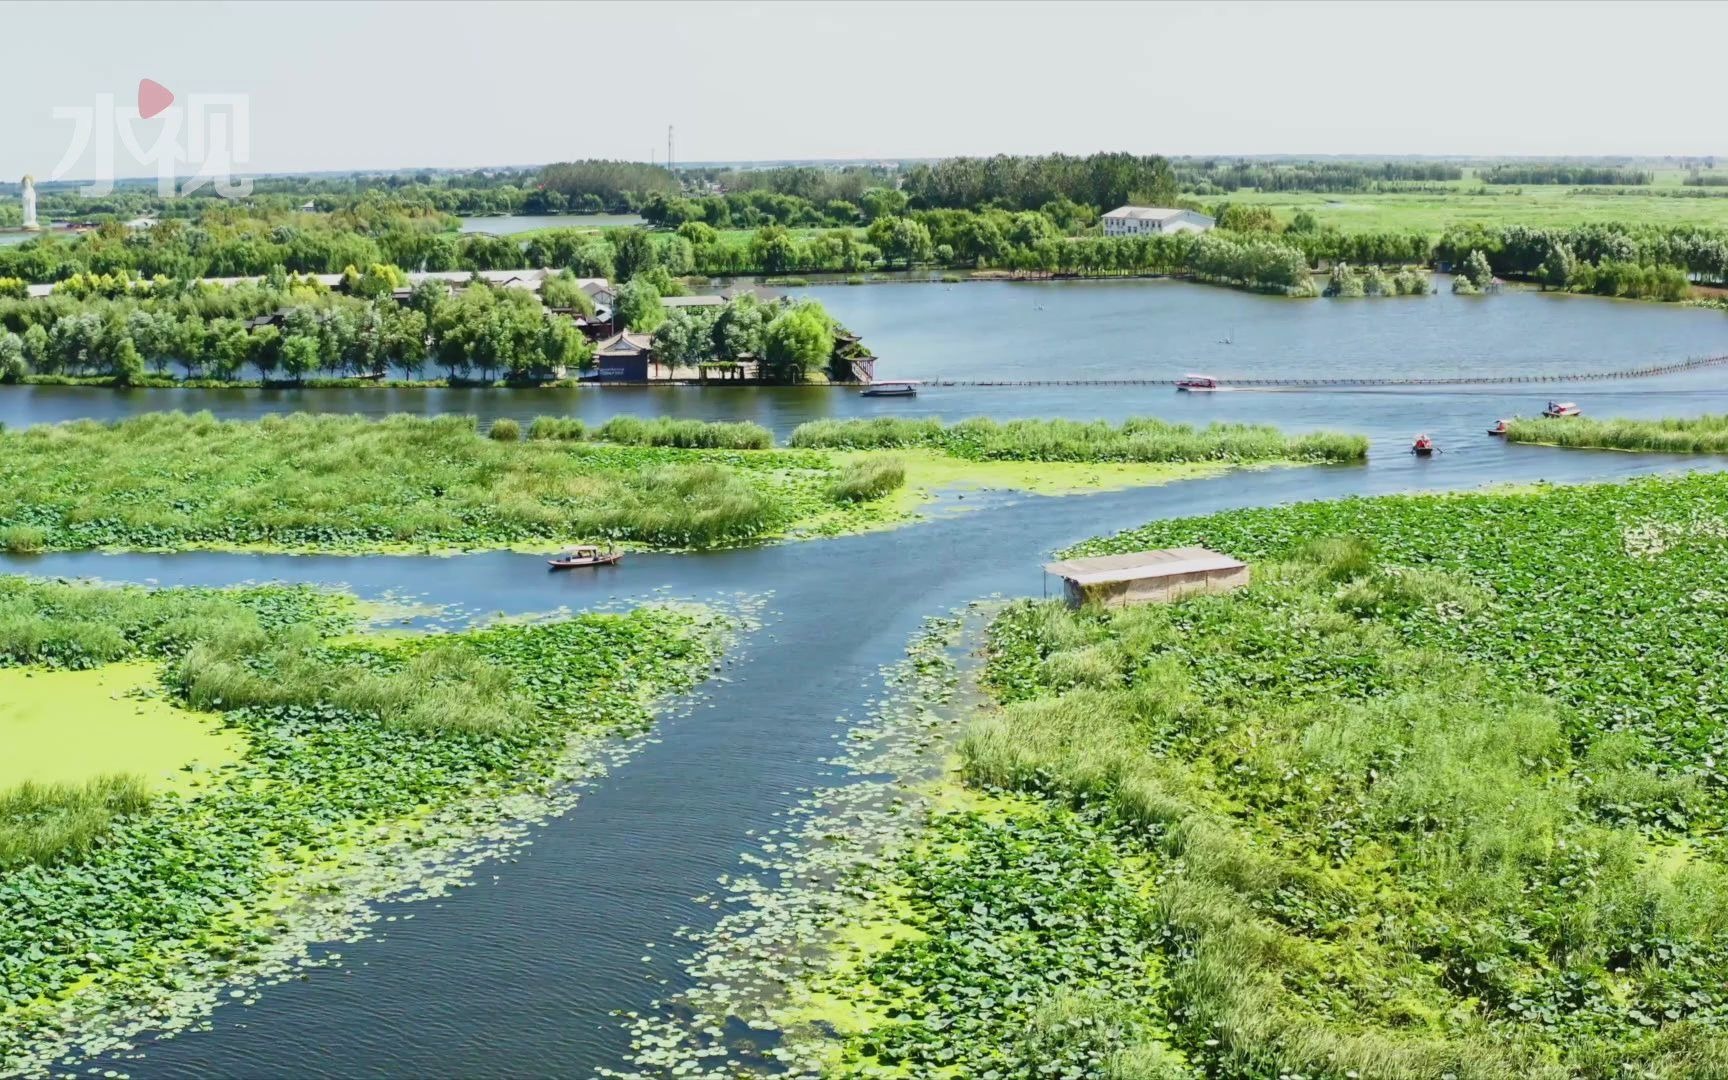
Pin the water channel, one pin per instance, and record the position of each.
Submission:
(521, 975)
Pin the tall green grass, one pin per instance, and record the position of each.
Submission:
(1139, 439)
(167, 480)
(867, 479)
(686, 434)
(1696, 435)
(49, 823)
(561, 428)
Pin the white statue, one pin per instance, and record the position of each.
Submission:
(30, 203)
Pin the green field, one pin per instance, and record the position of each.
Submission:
(1471, 202)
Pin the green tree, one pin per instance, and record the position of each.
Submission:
(902, 239)
(299, 356)
(562, 291)
(798, 341)
(632, 252)
(738, 329)
(128, 363)
(1476, 268)
(881, 202)
(639, 307)
(1558, 268)
(12, 366)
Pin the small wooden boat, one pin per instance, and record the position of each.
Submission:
(1423, 446)
(1499, 428)
(1196, 384)
(1562, 408)
(586, 555)
(894, 388)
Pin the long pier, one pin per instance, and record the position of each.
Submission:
(1226, 383)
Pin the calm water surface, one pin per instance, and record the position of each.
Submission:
(520, 976)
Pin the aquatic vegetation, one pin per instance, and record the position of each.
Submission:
(1439, 794)
(868, 478)
(345, 771)
(348, 484)
(688, 434)
(564, 428)
(504, 429)
(1139, 439)
(1691, 435)
(47, 823)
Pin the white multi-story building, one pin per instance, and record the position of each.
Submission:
(1139, 220)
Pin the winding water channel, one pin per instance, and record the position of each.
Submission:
(521, 975)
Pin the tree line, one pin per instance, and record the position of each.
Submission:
(1582, 175)
(1213, 176)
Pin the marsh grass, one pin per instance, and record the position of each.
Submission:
(684, 434)
(1695, 435)
(867, 479)
(560, 428)
(504, 429)
(1352, 828)
(49, 823)
(339, 483)
(1139, 439)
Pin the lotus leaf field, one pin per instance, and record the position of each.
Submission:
(365, 759)
(1439, 795)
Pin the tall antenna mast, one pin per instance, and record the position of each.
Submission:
(668, 147)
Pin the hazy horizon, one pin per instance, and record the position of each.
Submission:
(392, 87)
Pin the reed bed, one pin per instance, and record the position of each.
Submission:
(339, 483)
(1139, 439)
(868, 479)
(685, 434)
(1696, 435)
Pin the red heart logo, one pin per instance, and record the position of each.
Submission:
(153, 97)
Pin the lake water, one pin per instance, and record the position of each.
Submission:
(521, 975)
(505, 224)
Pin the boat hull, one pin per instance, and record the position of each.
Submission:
(897, 392)
(573, 564)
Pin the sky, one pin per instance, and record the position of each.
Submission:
(394, 85)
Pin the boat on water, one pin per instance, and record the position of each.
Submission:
(892, 388)
(584, 555)
(1562, 408)
(1197, 384)
(1499, 428)
(1423, 446)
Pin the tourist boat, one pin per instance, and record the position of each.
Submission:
(585, 555)
(893, 388)
(1499, 428)
(1562, 408)
(1423, 446)
(1196, 383)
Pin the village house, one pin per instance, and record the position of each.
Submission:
(1154, 220)
(624, 357)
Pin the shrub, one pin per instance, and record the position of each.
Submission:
(505, 429)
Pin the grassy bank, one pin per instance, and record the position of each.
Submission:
(1140, 439)
(1440, 794)
(1695, 435)
(363, 758)
(169, 481)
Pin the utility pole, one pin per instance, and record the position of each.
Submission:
(668, 147)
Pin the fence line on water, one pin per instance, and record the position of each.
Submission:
(1478, 380)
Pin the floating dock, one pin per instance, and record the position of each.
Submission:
(1148, 577)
